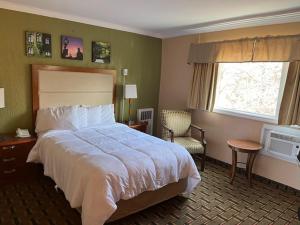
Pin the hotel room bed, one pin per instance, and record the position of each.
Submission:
(106, 169)
(97, 167)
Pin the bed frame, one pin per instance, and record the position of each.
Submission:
(58, 85)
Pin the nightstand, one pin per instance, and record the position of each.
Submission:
(140, 126)
(13, 155)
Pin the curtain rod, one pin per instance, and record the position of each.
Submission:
(254, 38)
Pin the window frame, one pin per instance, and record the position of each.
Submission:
(256, 116)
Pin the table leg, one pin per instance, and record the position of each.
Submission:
(247, 165)
(233, 168)
(251, 161)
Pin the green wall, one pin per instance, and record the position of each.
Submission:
(140, 54)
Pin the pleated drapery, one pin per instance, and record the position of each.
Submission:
(266, 49)
(204, 83)
(290, 106)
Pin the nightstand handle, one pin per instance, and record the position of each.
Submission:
(9, 159)
(8, 147)
(9, 171)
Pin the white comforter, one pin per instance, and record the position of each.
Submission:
(96, 167)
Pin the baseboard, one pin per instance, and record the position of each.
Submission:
(256, 177)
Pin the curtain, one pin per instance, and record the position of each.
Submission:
(202, 53)
(227, 51)
(290, 106)
(203, 89)
(234, 51)
(266, 49)
(277, 49)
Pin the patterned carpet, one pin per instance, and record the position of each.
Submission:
(215, 201)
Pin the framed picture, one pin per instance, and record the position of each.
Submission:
(38, 44)
(101, 52)
(71, 48)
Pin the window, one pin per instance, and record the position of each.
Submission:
(251, 90)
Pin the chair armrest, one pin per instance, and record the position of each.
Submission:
(202, 131)
(170, 131)
(197, 127)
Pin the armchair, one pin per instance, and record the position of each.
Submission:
(177, 126)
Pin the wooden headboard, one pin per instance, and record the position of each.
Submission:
(58, 86)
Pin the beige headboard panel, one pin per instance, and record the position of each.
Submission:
(57, 86)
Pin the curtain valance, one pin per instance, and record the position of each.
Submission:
(280, 48)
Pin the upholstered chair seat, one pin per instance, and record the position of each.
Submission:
(191, 144)
(177, 126)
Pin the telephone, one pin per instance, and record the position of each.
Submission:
(22, 133)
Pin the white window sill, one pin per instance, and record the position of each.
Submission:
(246, 115)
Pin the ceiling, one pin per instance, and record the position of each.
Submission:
(164, 18)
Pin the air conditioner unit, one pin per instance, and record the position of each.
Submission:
(282, 142)
(146, 114)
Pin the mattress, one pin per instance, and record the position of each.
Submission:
(96, 167)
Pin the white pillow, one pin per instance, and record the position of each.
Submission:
(82, 117)
(59, 118)
(108, 114)
(93, 115)
(100, 115)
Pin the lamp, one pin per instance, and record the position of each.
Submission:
(124, 73)
(2, 100)
(130, 92)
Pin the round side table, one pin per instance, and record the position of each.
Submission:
(250, 147)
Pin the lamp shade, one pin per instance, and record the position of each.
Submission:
(130, 91)
(2, 100)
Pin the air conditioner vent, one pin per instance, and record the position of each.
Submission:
(282, 142)
(146, 114)
(285, 137)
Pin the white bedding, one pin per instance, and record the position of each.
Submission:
(96, 167)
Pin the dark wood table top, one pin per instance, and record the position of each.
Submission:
(11, 139)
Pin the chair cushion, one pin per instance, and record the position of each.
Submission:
(192, 145)
(178, 121)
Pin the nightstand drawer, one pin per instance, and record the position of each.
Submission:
(13, 150)
(10, 150)
(9, 161)
(13, 172)
(9, 173)
(8, 168)
(13, 155)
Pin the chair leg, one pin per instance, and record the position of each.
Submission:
(203, 157)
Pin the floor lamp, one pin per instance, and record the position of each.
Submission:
(124, 74)
(2, 104)
(2, 99)
(130, 93)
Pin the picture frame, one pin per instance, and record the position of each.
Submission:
(38, 44)
(101, 52)
(71, 48)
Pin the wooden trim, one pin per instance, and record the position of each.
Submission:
(35, 68)
(148, 199)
